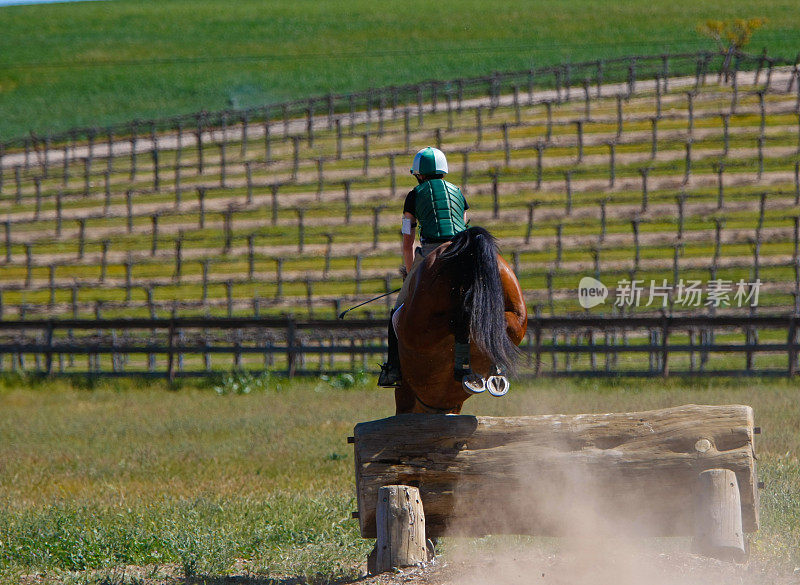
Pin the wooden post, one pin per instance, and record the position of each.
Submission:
(301, 232)
(507, 148)
(400, 528)
(612, 164)
(245, 124)
(81, 237)
(250, 256)
(531, 210)
(406, 130)
(295, 156)
(478, 127)
(376, 227)
(644, 172)
(37, 182)
(201, 202)
(129, 208)
(549, 131)
(539, 148)
(178, 257)
(347, 209)
(267, 137)
(227, 229)
(156, 169)
(274, 205)
(392, 175)
(107, 185)
(688, 162)
(654, 140)
(718, 512)
(328, 252)
(720, 168)
(366, 153)
(726, 120)
(104, 260)
(495, 195)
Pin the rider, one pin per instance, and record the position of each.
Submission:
(440, 208)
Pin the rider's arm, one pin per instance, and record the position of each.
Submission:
(408, 239)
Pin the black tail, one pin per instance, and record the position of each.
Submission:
(470, 262)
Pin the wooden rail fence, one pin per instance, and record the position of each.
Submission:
(554, 346)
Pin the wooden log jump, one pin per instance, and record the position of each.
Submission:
(646, 473)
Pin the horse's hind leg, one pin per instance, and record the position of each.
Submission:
(404, 400)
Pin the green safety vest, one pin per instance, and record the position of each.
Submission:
(439, 210)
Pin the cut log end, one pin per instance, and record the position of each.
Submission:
(400, 528)
(718, 516)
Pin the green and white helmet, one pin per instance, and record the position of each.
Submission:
(429, 161)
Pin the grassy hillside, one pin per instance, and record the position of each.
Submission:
(207, 484)
(94, 63)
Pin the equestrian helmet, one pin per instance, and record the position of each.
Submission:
(429, 161)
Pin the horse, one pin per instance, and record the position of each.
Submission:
(460, 325)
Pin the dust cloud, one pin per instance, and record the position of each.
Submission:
(595, 531)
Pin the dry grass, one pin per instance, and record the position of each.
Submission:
(140, 474)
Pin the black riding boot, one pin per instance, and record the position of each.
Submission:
(390, 375)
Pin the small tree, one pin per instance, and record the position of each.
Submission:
(732, 35)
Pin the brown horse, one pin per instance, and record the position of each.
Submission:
(463, 292)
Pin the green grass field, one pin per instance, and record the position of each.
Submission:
(209, 483)
(95, 63)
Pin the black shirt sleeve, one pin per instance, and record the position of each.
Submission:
(410, 205)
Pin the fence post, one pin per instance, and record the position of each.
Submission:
(227, 228)
(28, 265)
(301, 232)
(250, 256)
(376, 227)
(495, 195)
(346, 202)
(81, 237)
(603, 203)
(129, 209)
(549, 131)
(665, 348)
(531, 210)
(328, 251)
(295, 156)
(274, 204)
(366, 153)
(465, 169)
(291, 340)
(201, 202)
(170, 350)
(644, 172)
(37, 182)
(178, 257)
(279, 278)
(568, 189)
(267, 137)
(612, 163)
(392, 175)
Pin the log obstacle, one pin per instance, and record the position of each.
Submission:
(682, 471)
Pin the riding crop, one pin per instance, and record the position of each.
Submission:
(343, 313)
